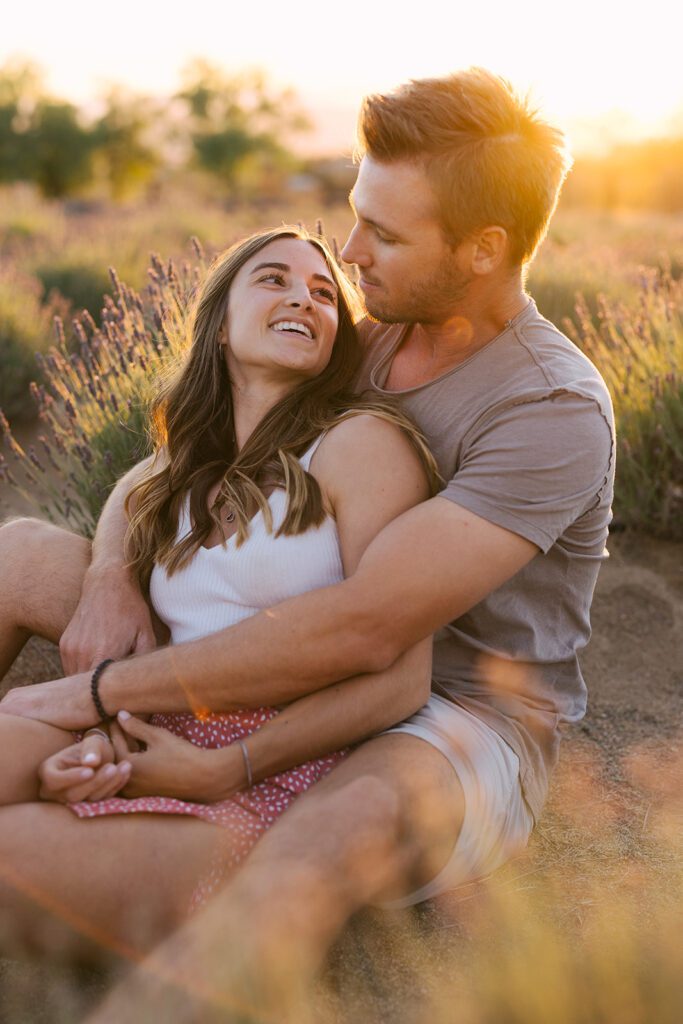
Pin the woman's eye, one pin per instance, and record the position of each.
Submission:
(276, 278)
(327, 293)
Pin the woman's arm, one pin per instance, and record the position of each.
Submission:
(312, 726)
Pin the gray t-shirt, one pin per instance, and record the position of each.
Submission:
(523, 432)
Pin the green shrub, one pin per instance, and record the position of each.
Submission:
(82, 284)
(639, 351)
(25, 330)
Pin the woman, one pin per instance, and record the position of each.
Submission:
(270, 478)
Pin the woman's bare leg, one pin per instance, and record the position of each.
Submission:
(24, 745)
(97, 889)
(41, 575)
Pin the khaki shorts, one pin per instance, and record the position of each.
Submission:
(497, 822)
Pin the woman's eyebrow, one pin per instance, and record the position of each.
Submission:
(273, 266)
(286, 268)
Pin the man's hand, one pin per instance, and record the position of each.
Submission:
(66, 703)
(112, 620)
(83, 771)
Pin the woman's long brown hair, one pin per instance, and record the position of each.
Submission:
(193, 430)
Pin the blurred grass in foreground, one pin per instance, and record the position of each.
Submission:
(584, 928)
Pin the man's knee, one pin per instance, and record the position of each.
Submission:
(37, 558)
(361, 803)
(25, 537)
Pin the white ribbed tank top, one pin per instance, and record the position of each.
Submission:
(224, 584)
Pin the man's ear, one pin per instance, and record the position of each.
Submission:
(489, 250)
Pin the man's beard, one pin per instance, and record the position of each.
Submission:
(432, 300)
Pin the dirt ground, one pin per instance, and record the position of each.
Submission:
(634, 671)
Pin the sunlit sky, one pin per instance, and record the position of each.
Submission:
(605, 70)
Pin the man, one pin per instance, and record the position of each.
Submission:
(456, 185)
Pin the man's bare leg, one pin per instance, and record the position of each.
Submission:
(384, 822)
(41, 572)
(96, 890)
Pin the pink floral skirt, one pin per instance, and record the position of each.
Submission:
(247, 814)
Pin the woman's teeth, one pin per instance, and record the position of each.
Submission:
(291, 325)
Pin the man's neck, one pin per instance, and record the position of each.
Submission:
(430, 350)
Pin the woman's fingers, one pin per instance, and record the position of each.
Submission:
(104, 784)
(56, 781)
(95, 750)
(111, 783)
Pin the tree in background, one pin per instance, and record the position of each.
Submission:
(235, 127)
(239, 127)
(57, 148)
(20, 87)
(126, 155)
(41, 139)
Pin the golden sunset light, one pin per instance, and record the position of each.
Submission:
(603, 69)
(341, 512)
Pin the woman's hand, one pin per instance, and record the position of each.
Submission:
(83, 771)
(174, 767)
(66, 703)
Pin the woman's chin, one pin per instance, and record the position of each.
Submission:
(298, 366)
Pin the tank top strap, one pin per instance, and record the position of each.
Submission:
(307, 456)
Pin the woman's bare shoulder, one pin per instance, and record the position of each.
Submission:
(365, 450)
(361, 433)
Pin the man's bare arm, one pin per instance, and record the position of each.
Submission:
(112, 619)
(427, 567)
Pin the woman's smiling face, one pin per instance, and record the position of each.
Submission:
(282, 316)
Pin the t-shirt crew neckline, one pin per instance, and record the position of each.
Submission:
(382, 367)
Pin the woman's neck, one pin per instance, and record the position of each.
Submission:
(251, 402)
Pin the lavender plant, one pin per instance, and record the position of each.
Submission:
(639, 351)
(92, 402)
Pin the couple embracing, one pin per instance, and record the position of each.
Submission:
(355, 575)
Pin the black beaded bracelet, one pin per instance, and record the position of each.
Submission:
(94, 688)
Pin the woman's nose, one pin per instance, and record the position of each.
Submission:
(299, 297)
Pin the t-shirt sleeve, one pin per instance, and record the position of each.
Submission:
(535, 466)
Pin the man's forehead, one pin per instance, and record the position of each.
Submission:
(393, 193)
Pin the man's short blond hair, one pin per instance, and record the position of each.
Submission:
(490, 158)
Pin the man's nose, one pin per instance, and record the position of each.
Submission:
(353, 251)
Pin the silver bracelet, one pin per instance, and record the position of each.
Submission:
(97, 732)
(247, 763)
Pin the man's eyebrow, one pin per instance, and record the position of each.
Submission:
(286, 268)
(373, 223)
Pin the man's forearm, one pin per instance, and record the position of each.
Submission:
(272, 658)
(342, 714)
(426, 568)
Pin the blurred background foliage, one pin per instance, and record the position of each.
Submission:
(235, 129)
(84, 190)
